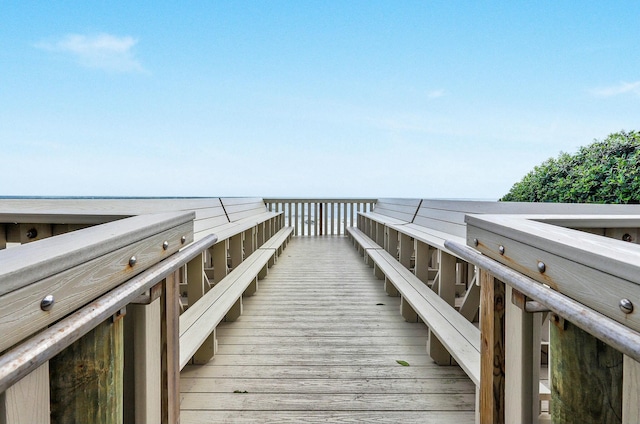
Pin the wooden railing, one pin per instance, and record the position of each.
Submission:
(91, 323)
(589, 281)
(583, 270)
(62, 301)
(320, 217)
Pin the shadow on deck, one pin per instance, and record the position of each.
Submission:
(319, 342)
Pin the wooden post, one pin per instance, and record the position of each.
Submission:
(406, 250)
(446, 290)
(143, 363)
(522, 362)
(27, 401)
(249, 242)
(391, 242)
(196, 289)
(422, 261)
(586, 377)
(219, 256)
(87, 377)
(631, 392)
(170, 337)
(492, 359)
(3, 236)
(235, 250)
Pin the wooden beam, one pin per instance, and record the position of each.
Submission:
(27, 401)
(423, 253)
(143, 363)
(3, 236)
(492, 354)
(219, 255)
(39, 270)
(391, 242)
(406, 250)
(170, 337)
(87, 377)
(586, 376)
(196, 288)
(522, 363)
(446, 290)
(631, 392)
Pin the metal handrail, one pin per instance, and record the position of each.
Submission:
(616, 335)
(21, 360)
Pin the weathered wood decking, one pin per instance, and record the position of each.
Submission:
(319, 343)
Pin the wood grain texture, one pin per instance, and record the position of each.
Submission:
(20, 312)
(335, 362)
(579, 360)
(31, 391)
(87, 377)
(575, 263)
(630, 391)
(492, 372)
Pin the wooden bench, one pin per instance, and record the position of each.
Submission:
(224, 301)
(278, 242)
(459, 337)
(386, 213)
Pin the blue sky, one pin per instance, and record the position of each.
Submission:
(453, 99)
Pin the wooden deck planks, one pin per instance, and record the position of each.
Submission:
(319, 343)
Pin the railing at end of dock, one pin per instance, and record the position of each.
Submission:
(322, 216)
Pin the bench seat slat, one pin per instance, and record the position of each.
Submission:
(364, 241)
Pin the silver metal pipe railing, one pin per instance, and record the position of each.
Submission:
(613, 333)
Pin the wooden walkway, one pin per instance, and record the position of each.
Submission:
(319, 343)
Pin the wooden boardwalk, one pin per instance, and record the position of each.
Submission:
(319, 343)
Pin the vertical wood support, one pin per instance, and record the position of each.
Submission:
(422, 261)
(331, 215)
(260, 233)
(406, 250)
(522, 362)
(263, 273)
(390, 288)
(195, 290)
(492, 359)
(350, 206)
(296, 224)
(3, 236)
(249, 242)
(170, 356)
(377, 271)
(316, 220)
(447, 273)
(219, 256)
(407, 311)
(446, 290)
(391, 242)
(87, 377)
(379, 234)
(235, 250)
(143, 363)
(630, 391)
(577, 395)
(235, 311)
(27, 401)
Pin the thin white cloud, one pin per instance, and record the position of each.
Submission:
(436, 94)
(616, 90)
(101, 51)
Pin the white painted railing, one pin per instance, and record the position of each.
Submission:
(320, 217)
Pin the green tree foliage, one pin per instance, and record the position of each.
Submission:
(605, 171)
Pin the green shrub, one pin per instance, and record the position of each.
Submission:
(605, 171)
